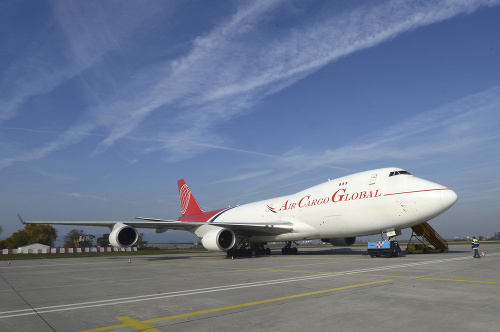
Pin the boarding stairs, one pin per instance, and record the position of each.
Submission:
(422, 233)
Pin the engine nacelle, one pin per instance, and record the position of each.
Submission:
(341, 241)
(218, 239)
(123, 236)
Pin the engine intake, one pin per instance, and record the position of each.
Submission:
(219, 239)
(123, 236)
(341, 241)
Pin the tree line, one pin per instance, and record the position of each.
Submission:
(46, 234)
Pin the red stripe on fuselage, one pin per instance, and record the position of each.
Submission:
(416, 191)
(203, 217)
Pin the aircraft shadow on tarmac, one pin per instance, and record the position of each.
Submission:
(302, 252)
(172, 257)
(159, 257)
(332, 251)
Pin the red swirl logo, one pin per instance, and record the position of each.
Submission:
(185, 195)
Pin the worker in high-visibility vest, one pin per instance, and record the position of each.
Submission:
(475, 247)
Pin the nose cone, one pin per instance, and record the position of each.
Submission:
(448, 198)
(431, 199)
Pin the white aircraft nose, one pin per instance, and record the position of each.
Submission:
(448, 198)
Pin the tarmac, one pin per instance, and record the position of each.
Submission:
(320, 289)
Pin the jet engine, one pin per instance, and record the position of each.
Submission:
(341, 241)
(123, 236)
(218, 239)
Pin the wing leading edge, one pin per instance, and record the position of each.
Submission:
(162, 225)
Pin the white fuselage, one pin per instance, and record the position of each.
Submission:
(356, 205)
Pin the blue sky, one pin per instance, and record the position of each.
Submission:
(104, 105)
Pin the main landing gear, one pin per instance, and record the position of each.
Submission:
(288, 250)
(245, 249)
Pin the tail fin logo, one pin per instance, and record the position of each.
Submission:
(189, 206)
(185, 195)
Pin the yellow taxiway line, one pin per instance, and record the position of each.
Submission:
(426, 278)
(143, 325)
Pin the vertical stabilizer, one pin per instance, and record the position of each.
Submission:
(189, 206)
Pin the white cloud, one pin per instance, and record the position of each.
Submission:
(245, 176)
(465, 123)
(56, 176)
(222, 75)
(89, 35)
(77, 195)
(72, 136)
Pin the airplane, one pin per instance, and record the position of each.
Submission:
(380, 201)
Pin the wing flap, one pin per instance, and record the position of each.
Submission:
(270, 228)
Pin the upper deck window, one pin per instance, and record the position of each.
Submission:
(399, 173)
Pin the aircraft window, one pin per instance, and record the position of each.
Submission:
(399, 173)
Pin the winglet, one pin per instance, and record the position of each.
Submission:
(20, 219)
(189, 206)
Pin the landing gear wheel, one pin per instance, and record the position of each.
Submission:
(288, 250)
(260, 249)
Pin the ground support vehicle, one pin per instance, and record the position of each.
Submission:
(384, 248)
(425, 239)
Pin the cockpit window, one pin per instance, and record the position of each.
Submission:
(399, 173)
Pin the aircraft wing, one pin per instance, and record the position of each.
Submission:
(255, 229)
(162, 225)
(110, 224)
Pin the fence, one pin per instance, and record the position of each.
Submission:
(63, 250)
